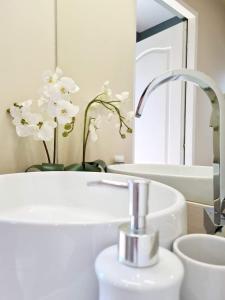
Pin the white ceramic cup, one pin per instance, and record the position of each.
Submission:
(203, 257)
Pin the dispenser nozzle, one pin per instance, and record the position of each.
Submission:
(138, 246)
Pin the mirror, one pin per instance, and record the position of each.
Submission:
(174, 128)
(161, 46)
(95, 41)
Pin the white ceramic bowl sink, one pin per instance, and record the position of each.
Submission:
(52, 227)
(194, 182)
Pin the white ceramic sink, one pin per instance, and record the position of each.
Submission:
(52, 227)
(194, 182)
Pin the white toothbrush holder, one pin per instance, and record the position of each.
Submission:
(203, 257)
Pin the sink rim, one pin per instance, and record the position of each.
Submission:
(179, 202)
(199, 237)
(207, 176)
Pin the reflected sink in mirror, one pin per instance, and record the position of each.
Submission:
(54, 226)
(194, 182)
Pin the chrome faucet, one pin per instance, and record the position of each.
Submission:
(214, 218)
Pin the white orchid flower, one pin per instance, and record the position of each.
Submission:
(57, 87)
(45, 131)
(94, 125)
(43, 103)
(15, 112)
(59, 90)
(18, 109)
(51, 92)
(26, 118)
(33, 118)
(23, 119)
(130, 115)
(24, 130)
(110, 116)
(27, 104)
(54, 100)
(26, 123)
(67, 85)
(93, 136)
(49, 106)
(50, 77)
(123, 96)
(107, 90)
(33, 125)
(64, 111)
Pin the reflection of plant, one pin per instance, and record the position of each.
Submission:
(111, 105)
(55, 107)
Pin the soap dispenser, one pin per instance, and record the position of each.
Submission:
(138, 269)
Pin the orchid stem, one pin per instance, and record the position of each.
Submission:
(47, 153)
(84, 137)
(109, 105)
(86, 134)
(55, 144)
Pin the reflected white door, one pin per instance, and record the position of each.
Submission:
(159, 133)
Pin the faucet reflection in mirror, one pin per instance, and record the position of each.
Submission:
(56, 109)
(214, 218)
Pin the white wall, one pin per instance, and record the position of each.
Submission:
(96, 42)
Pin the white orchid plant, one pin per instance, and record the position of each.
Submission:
(55, 108)
(113, 109)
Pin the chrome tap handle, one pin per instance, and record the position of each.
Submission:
(139, 194)
(118, 184)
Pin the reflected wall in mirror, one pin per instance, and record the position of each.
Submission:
(27, 48)
(92, 41)
(96, 42)
(174, 128)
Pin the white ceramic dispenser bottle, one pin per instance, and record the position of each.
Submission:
(138, 269)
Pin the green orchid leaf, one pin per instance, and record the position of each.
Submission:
(100, 163)
(74, 167)
(90, 167)
(87, 167)
(52, 167)
(93, 166)
(34, 168)
(45, 167)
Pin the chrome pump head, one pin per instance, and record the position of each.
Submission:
(138, 244)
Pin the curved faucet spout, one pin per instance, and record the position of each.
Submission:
(216, 218)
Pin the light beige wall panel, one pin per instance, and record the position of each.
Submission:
(96, 42)
(27, 47)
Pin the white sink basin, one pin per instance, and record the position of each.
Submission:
(194, 182)
(52, 227)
